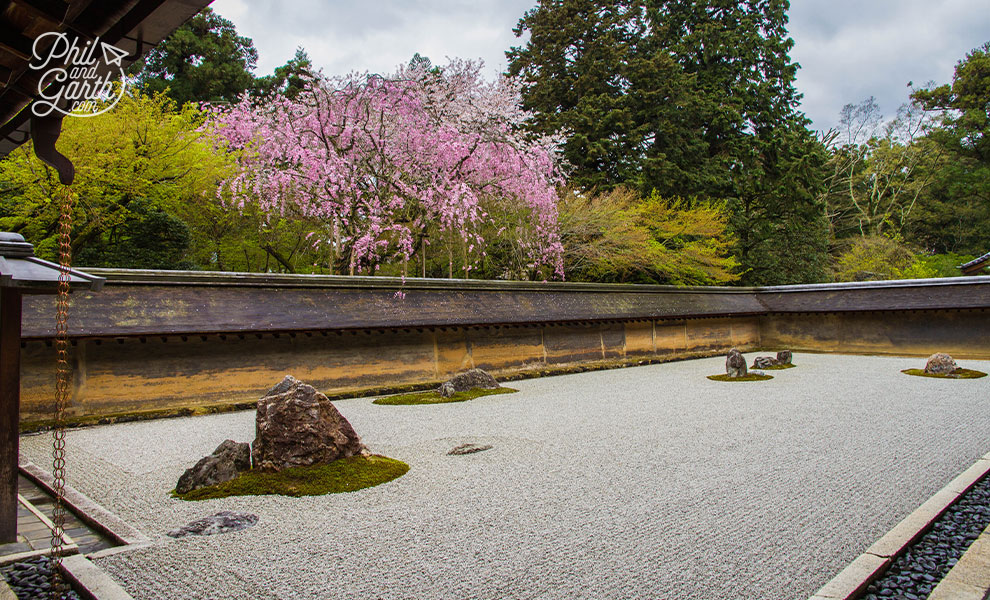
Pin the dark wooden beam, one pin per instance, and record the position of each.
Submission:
(10, 391)
(54, 11)
(14, 41)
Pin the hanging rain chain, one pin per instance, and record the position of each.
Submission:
(63, 376)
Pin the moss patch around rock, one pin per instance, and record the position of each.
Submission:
(778, 367)
(432, 397)
(344, 475)
(747, 377)
(957, 374)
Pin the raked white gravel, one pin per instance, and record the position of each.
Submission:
(647, 482)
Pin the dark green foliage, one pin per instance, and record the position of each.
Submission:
(432, 397)
(955, 215)
(202, 61)
(956, 374)
(689, 99)
(288, 80)
(344, 475)
(149, 239)
(747, 377)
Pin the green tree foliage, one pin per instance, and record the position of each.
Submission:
(140, 168)
(689, 99)
(617, 236)
(878, 258)
(956, 213)
(288, 80)
(203, 60)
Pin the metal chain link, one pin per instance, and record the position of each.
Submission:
(63, 374)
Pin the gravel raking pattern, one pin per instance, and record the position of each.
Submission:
(915, 574)
(647, 482)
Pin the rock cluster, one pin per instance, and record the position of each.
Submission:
(466, 381)
(764, 362)
(783, 357)
(735, 364)
(295, 426)
(940, 364)
(227, 462)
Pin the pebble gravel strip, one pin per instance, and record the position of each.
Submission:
(915, 573)
(30, 580)
(640, 483)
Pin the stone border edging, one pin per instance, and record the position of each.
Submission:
(969, 579)
(89, 581)
(5, 592)
(88, 511)
(852, 581)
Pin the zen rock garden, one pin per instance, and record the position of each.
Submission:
(298, 429)
(304, 446)
(464, 386)
(943, 366)
(736, 370)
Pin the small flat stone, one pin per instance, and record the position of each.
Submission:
(469, 449)
(221, 522)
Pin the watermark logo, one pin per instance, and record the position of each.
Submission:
(87, 74)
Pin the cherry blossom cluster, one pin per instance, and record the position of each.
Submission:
(380, 158)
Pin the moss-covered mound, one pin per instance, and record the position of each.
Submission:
(747, 377)
(779, 367)
(344, 475)
(432, 397)
(956, 374)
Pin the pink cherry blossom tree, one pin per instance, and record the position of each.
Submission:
(379, 161)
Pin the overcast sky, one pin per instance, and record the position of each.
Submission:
(848, 49)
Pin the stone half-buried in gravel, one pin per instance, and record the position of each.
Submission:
(468, 449)
(466, 381)
(221, 522)
(297, 426)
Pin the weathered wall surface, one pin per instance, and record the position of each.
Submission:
(135, 375)
(961, 333)
(166, 342)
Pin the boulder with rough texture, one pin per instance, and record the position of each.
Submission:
(468, 380)
(221, 522)
(940, 364)
(764, 362)
(297, 426)
(227, 462)
(735, 364)
(784, 357)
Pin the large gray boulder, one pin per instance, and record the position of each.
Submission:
(735, 364)
(940, 364)
(468, 380)
(297, 426)
(227, 462)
